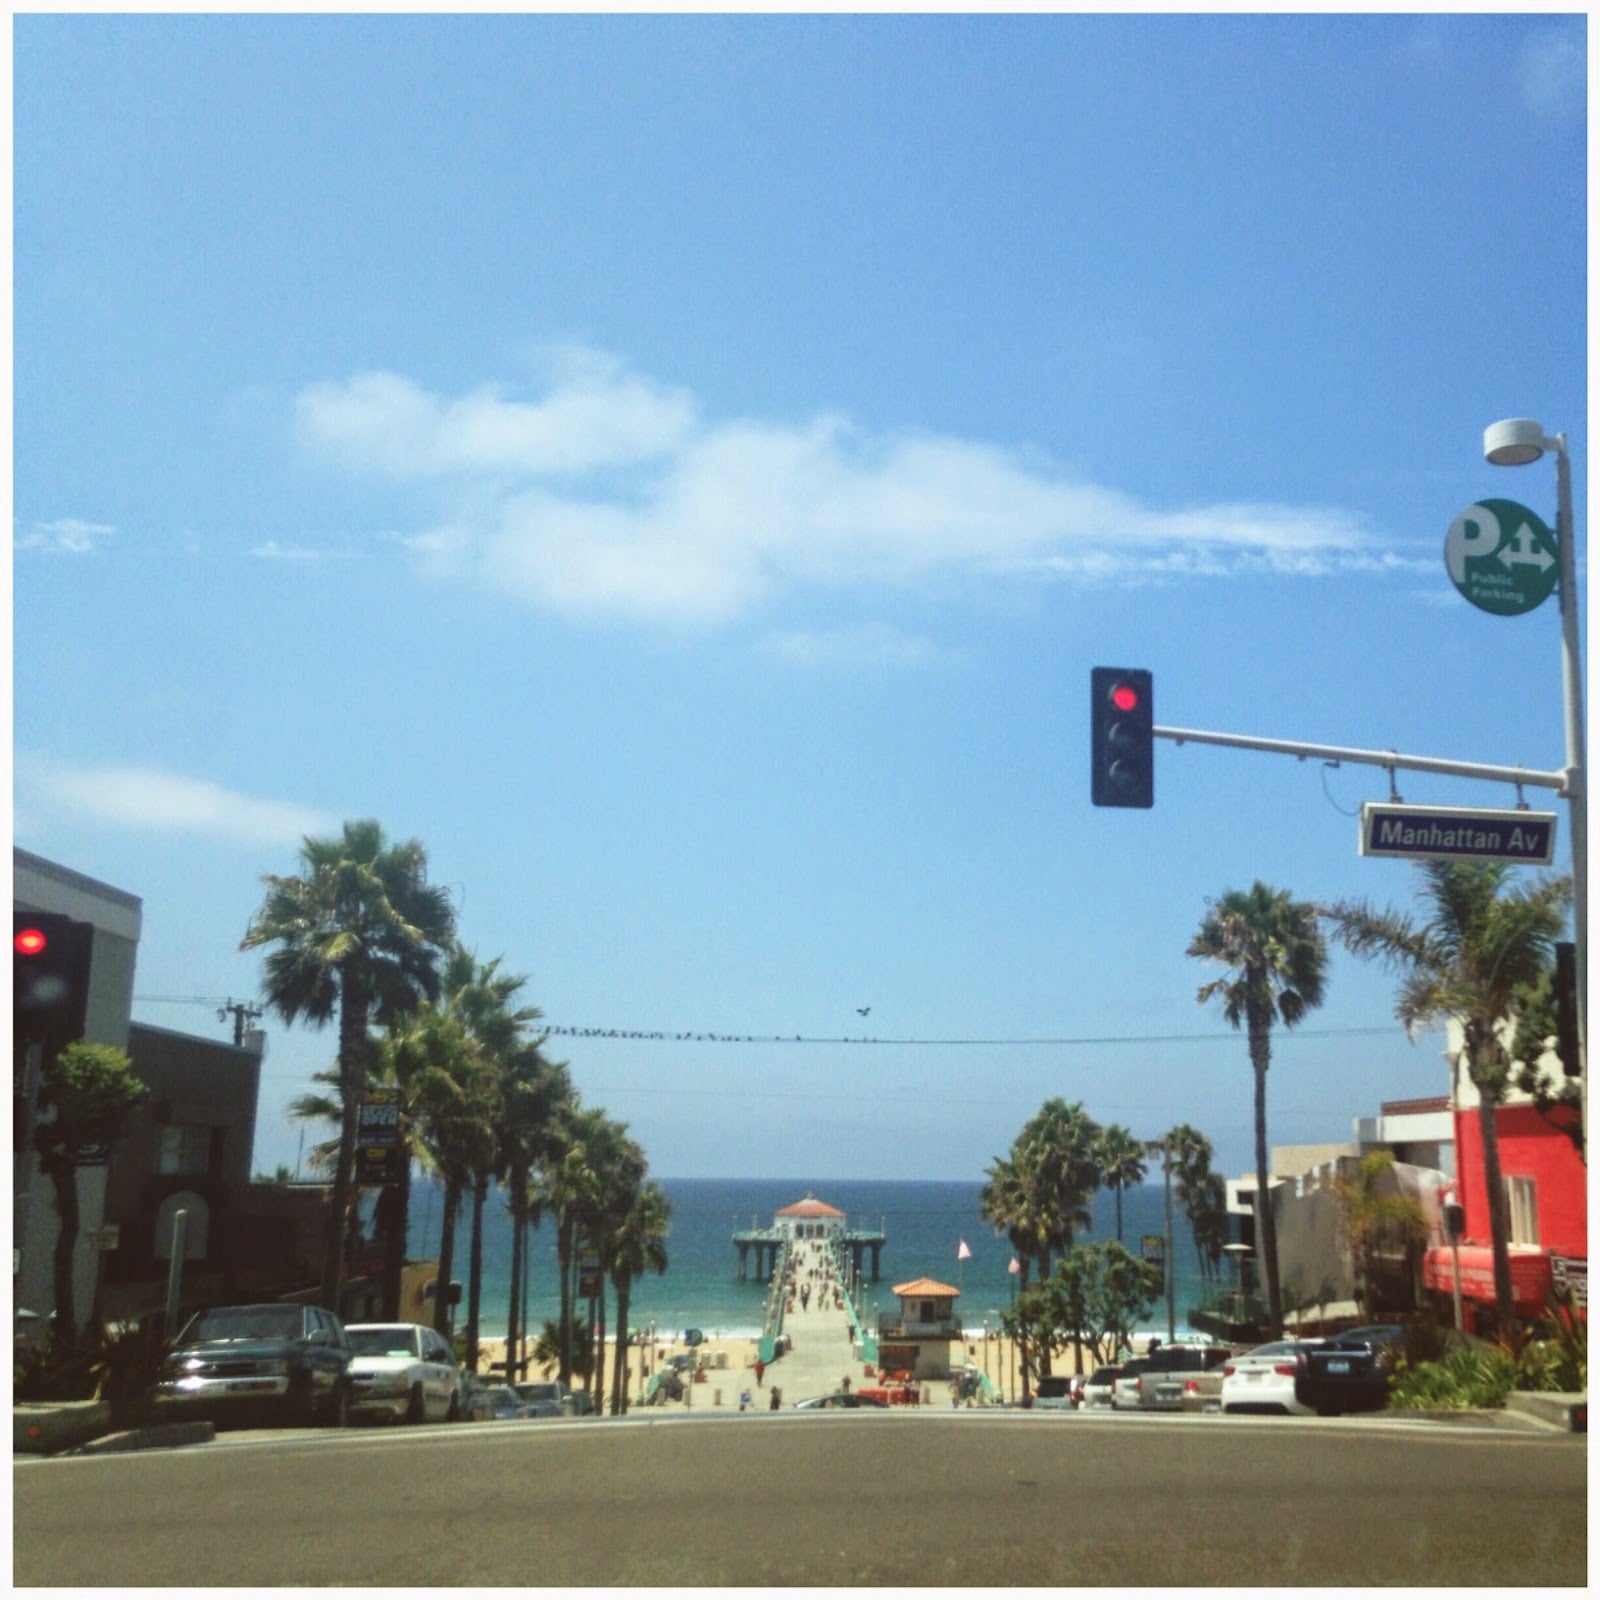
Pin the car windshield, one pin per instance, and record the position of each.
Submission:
(244, 1322)
(1105, 1374)
(382, 1341)
(539, 1391)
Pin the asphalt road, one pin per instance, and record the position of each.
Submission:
(937, 1498)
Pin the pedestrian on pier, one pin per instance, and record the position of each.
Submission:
(777, 1398)
(761, 1367)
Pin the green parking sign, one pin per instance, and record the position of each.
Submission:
(1501, 557)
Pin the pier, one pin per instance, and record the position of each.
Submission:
(809, 1218)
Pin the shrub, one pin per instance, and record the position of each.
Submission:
(1466, 1379)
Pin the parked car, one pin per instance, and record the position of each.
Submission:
(1058, 1393)
(1263, 1379)
(1127, 1386)
(402, 1370)
(845, 1400)
(283, 1363)
(504, 1406)
(475, 1403)
(1350, 1371)
(1184, 1377)
(1097, 1386)
(545, 1399)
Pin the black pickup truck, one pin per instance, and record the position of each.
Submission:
(1350, 1371)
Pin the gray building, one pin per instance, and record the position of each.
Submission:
(115, 915)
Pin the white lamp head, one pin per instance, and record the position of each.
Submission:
(1513, 443)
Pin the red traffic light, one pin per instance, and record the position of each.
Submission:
(29, 941)
(1125, 697)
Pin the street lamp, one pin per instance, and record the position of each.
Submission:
(1158, 1147)
(1517, 442)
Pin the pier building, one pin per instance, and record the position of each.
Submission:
(808, 1218)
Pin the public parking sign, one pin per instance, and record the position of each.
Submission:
(1501, 557)
(1459, 833)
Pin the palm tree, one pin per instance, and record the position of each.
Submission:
(533, 1093)
(358, 933)
(1370, 1212)
(1065, 1144)
(1480, 943)
(638, 1246)
(86, 1093)
(1278, 962)
(1121, 1164)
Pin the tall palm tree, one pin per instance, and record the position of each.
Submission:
(638, 1246)
(1064, 1141)
(533, 1093)
(1121, 1164)
(1479, 944)
(1277, 963)
(358, 933)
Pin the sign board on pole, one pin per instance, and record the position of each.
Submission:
(1501, 557)
(1467, 833)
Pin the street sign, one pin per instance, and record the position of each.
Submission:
(1152, 1248)
(1465, 833)
(1501, 557)
(378, 1119)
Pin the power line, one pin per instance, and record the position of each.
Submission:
(668, 1036)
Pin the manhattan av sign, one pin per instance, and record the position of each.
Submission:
(1460, 833)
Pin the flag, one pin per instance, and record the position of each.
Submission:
(962, 1252)
(1016, 1266)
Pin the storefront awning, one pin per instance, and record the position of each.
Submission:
(1530, 1275)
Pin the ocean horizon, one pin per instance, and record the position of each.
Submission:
(925, 1223)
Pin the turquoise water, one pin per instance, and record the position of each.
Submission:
(924, 1222)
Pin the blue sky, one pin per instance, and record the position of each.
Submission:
(682, 470)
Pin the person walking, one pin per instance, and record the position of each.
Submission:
(777, 1398)
(761, 1367)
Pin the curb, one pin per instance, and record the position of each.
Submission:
(46, 1430)
(160, 1436)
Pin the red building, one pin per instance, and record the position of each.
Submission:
(1546, 1188)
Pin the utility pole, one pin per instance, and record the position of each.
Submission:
(242, 1013)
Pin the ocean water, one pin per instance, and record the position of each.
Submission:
(925, 1224)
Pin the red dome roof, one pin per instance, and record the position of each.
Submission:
(810, 1207)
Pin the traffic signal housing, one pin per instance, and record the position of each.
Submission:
(1121, 737)
(50, 957)
(1566, 998)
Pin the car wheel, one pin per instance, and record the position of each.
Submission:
(300, 1407)
(1327, 1411)
(417, 1410)
(338, 1413)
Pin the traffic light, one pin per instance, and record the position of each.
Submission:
(1566, 997)
(1121, 737)
(49, 977)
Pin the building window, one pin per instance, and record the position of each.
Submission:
(1522, 1208)
(185, 1150)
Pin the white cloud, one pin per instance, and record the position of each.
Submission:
(63, 536)
(273, 551)
(679, 520)
(144, 798)
(1551, 74)
(872, 644)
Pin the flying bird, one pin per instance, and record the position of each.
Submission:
(861, 1011)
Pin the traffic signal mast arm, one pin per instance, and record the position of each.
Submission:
(1564, 783)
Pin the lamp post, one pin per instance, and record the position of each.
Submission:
(1517, 442)
(1158, 1147)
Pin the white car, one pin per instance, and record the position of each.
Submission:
(1127, 1388)
(1263, 1379)
(403, 1370)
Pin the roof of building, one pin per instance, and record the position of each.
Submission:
(926, 1286)
(810, 1207)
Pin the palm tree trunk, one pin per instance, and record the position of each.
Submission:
(447, 1257)
(564, 1232)
(1499, 1223)
(619, 1370)
(600, 1350)
(1260, 1055)
(1116, 1189)
(480, 1192)
(519, 1222)
(397, 1219)
(64, 1176)
(352, 1084)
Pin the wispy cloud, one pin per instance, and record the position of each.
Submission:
(147, 799)
(1552, 74)
(63, 536)
(873, 644)
(271, 550)
(610, 496)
